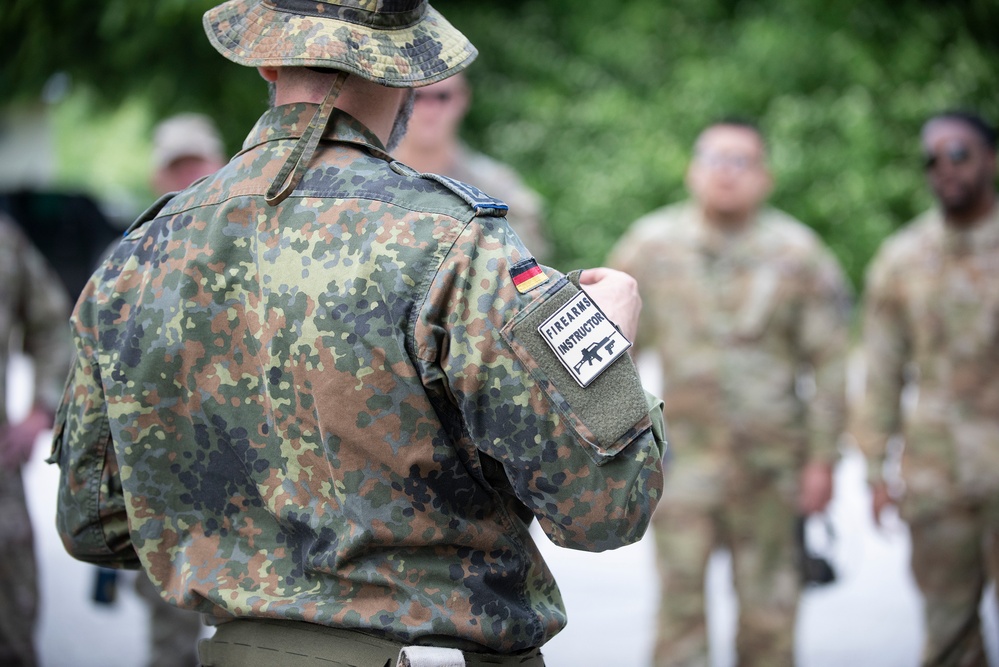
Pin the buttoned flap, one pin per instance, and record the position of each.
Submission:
(610, 411)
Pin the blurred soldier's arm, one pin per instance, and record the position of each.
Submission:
(886, 348)
(628, 256)
(586, 462)
(823, 337)
(42, 311)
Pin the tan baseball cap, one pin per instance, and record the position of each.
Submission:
(186, 135)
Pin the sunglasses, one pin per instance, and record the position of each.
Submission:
(956, 155)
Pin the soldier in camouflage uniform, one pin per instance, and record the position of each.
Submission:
(313, 396)
(931, 321)
(34, 304)
(432, 144)
(186, 147)
(740, 302)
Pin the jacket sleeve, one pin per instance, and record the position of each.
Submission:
(91, 516)
(823, 336)
(886, 348)
(586, 462)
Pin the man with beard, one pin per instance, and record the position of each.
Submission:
(320, 397)
(931, 324)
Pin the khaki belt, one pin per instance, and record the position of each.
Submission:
(271, 643)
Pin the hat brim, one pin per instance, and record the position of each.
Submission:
(250, 33)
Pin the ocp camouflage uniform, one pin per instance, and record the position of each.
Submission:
(735, 320)
(501, 181)
(34, 304)
(335, 410)
(931, 319)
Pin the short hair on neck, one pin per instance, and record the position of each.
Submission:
(316, 80)
(981, 127)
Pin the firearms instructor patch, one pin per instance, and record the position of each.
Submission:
(583, 339)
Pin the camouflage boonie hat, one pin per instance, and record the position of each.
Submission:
(395, 43)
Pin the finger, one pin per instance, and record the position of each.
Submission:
(591, 276)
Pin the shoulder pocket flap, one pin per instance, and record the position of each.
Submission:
(608, 414)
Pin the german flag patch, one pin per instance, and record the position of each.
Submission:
(527, 275)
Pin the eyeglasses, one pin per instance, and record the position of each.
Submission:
(736, 162)
(957, 154)
(438, 97)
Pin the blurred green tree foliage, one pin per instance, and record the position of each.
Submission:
(598, 103)
(121, 49)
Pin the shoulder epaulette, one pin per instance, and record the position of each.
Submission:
(480, 202)
(150, 212)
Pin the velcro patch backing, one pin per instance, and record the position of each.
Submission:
(604, 413)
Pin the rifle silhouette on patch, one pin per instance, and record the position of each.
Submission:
(591, 352)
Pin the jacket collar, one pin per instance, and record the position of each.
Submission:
(289, 121)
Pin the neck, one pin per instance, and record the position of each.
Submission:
(726, 221)
(374, 106)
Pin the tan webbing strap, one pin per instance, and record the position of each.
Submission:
(298, 161)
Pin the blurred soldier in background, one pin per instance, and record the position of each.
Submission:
(33, 304)
(748, 312)
(432, 145)
(186, 147)
(931, 322)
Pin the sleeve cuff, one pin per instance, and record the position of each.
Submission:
(656, 406)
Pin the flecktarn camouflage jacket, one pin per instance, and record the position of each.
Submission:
(336, 410)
